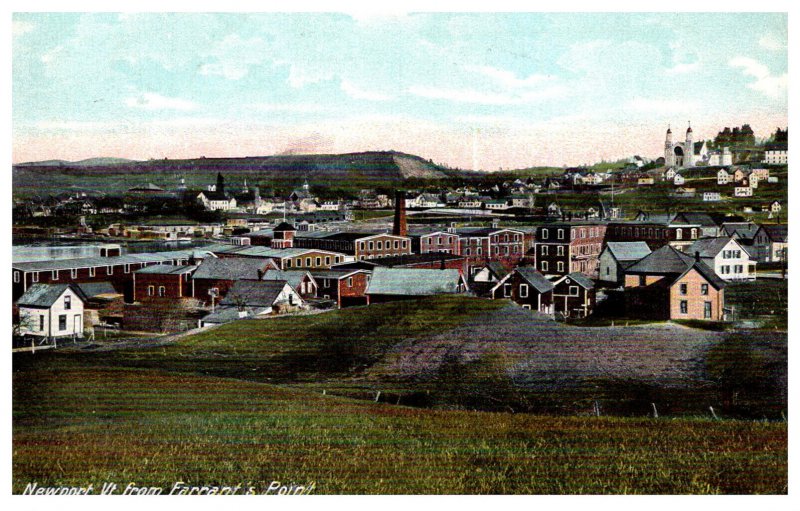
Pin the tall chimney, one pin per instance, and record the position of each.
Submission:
(697, 256)
(399, 228)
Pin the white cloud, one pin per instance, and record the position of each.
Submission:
(153, 101)
(289, 107)
(19, 28)
(486, 98)
(772, 42)
(234, 57)
(766, 83)
(358, 93)
(683, 68)
(507, 79)
(662, 106)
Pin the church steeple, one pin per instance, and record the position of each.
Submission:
(220, 183)
(669, 135)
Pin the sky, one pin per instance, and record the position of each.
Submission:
(470, 90)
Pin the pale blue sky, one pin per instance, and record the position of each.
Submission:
(479, 90)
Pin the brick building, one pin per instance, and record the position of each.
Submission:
(565, 248)
(346, 287)
(214, 277)
(358, 244)
(527, 287)
(163, 281)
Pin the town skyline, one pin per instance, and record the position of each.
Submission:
(488, 91)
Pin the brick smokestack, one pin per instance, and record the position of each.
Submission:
(399, 228)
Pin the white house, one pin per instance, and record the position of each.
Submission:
(216, 201)
(669, 175)
(51, 311)
(253, 298)
(776, 155)
(711, 197)
(678, 180)
(728, 259)
(723, 177)
(742, 191)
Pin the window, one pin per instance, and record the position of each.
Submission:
(707, 310)
(319, 261)
(380, 245)
(738, 268)
(54, 274)
(703, 289)
(35, 276)
(288, 263)
(506, 290)
(127, 268)
(16, 277)
(161, 291)
(684, 307)
(371, 245)
(151, 290)
(573, 290)
(349, 281)
(361, 245)
(405, 243)
(478, 251)
(545, 250)
(544, 265)
(684, 289)
(545, 234)
(298, 262)
(561, 234)
(41, 322)
(308, 262)
(336, 259)
(608, 270)
(523, 290)
(642, 280)
(678, 234)
(694, 233)
(109, 270)
(327, 260)
(74, 273)
(62, 322)
(560, 266)
(67, 302)
(560, 250)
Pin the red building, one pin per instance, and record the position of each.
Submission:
(564, 248)
(214, 277)
(573, 295)
(358, 244)
(346, 287)
(527, 287)
(163, 281)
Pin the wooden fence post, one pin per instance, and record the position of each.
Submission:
(712, 413)
(655, 412)
(377, 396)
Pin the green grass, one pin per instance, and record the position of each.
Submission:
(367, 214)
(764, 300)
(74, 425)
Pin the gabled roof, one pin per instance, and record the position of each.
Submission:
(215, 196)
(533, 277)
(337, 274)
(776, 233)
(707, 273)
(743, 230)
(413, 282)
(45, 295)
(695, 218)
(406, 259)
(628, 250)
(663, 261)
(254, 293)
(709, 247)
(293, 277)
(283, 227)
(578, 278)
(232, 268)
(498, 269)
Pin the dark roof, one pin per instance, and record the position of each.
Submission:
(293, 277)
(284, 226)
(498, 269)
(533, 277)
(45, 295)
(406, 259)
(662, 261)
(92, 289)
(335, 273)
(254, 293)
(579, 278)
(709, 247)
(413, 282)
(776, 233)
(744, 230)
(216, 195)
(232, 268)
(707, 273)
(628, 250)
(355, 265)
(694, 218)
(345, 236)
(697, 145)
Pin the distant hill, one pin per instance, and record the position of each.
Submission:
(379, 169)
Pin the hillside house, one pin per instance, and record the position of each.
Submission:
(526, 287)
(723, 177)
(728, 259)
(678, 180)
(215, 277)
(711, 197)
(770, 243)
(51, 311)
(669, 174)
(391, 284)
(742, 191)
(573, 296)
(668, 284)
(347, 287)
(485, 277)
(250, 299)
(619, 255)
(301, 281)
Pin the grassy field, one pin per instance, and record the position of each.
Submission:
(763, 300)
(78, 425)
